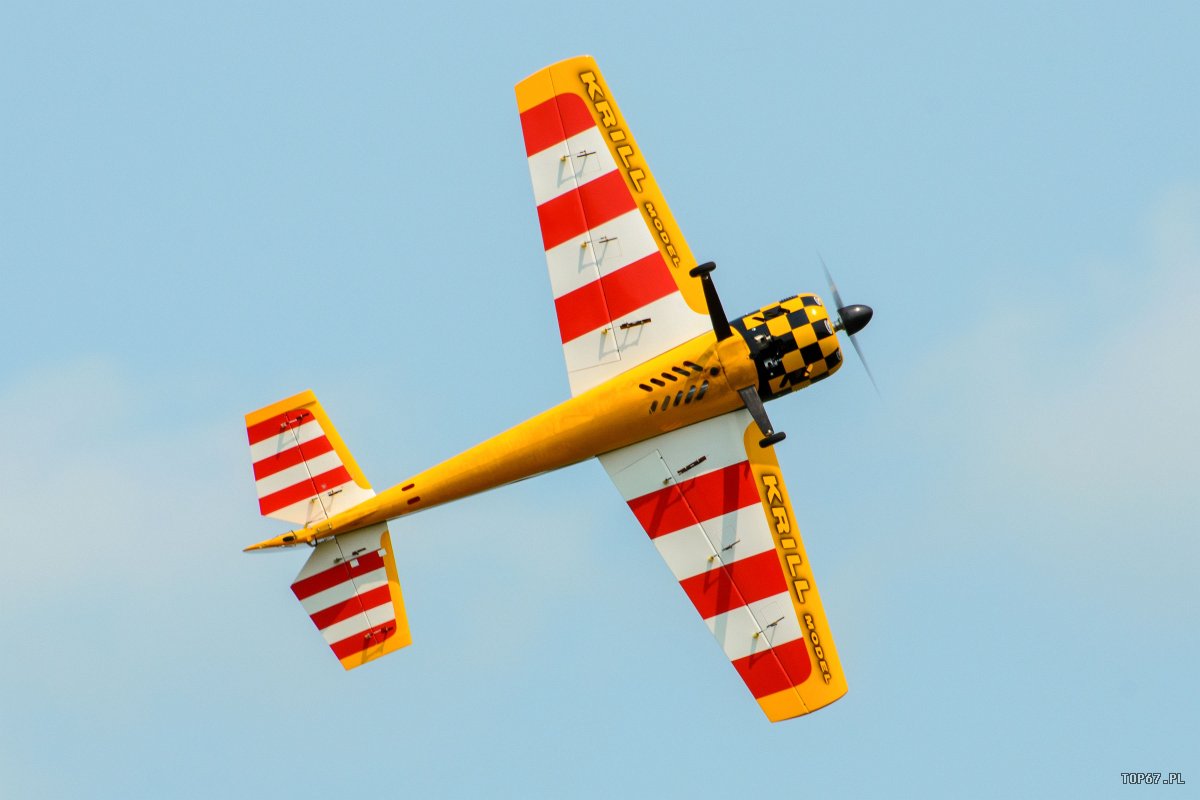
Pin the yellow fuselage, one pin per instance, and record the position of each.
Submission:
(693, 382)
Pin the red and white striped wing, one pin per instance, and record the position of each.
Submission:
(618, 266)
(350, 590)
(714, 504)
(302, 472)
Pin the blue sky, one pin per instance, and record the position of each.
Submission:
(209, 207)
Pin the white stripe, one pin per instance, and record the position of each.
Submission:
(302, 512)
(673, 322)
(330, 597)
(358, 623)
(594, 347)
(312, 509)
(572, 265)
(687, 551)
(298, 473)
(740, 534)
(553, 177)
(382, 613)
(330, 553)
(324, 556)
(734, 630)
(285, 440)
(719, 440)
(638, 469)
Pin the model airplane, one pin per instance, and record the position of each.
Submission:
(666, 391)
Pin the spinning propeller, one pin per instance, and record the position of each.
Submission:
(851, 319)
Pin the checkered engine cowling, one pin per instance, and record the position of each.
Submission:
(792, 343)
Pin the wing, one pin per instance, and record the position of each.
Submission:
(716, 508)
(618, 264)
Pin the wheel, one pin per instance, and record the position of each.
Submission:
(772, 440)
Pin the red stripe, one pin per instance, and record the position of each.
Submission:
(554, 121)
(303, 490)
(776, 669)
(613, 296)
(290, 457)
(581, 310)
(642, 282)
(605, 198)
(561, 218)
(701, 498)
(351, 606)
(353, 645)
(336, 575)
(745, 581)
(261, 431)
(577, 211)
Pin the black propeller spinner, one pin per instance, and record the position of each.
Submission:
(853, 319)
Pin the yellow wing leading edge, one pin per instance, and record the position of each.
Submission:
(826, 681)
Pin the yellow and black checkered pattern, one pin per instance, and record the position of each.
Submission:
(792, 343)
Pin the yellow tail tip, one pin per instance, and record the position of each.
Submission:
(289, 539)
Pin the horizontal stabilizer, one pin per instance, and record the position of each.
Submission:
(303, 473)
(350, 589)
